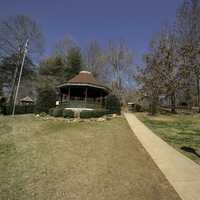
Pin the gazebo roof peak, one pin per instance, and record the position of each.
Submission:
(27, 99)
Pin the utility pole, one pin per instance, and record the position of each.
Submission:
(20, 74)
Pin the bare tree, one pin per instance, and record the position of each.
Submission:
(120, 58)
(160, 75)
(172, 66)
(95, 60)
(63, 46)
(188, 33)
(14, 31)
(168, 61)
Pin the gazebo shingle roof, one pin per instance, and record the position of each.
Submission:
(85, 78)
(27, 99)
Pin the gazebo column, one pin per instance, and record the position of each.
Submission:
(101, 99)
(61, 97)
(68, 96)
(86, 93)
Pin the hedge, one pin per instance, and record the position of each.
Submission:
(68, 113)
(19, 109)
(57, 112)
(51, 111)
(93, 113)
(60, 112)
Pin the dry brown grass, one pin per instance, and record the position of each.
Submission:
(51, 159)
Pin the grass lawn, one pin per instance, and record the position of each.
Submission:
(50, 159)
(177, 130)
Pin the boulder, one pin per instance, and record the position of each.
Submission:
(101, 119)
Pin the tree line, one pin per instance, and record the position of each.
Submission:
(41, 75)
(171, 67)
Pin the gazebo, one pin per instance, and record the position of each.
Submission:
(27, 101)
(83, 91)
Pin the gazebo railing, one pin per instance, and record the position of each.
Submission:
(81, 104)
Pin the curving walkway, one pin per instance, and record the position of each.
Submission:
(181, 172)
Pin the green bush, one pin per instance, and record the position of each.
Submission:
(19, 109)
(57, 112)
(2, 103)
(68, 113)
(7, 109)
(51, 111)
(43, 114)
(46, 99)
(138, 108)
(93, 113)
(113, 104)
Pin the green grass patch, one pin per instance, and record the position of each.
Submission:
(177, 130)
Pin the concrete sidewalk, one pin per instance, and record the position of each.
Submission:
(181, 172)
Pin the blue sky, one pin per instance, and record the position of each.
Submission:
(135, 21)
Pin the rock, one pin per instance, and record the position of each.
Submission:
(101, 119)
(108, 117)
(67, 120)
(75, 120)
(92, 120)
(114, 115)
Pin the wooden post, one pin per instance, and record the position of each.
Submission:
(68, 96)
(101, 99)
(86, 90)
(61, 97)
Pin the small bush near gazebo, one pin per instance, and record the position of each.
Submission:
(58, 112)
(85, 114)
(51, 111)
(61, 112)
(113, 104)
(68, 113)
(46, 99)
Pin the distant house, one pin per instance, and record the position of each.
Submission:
(27, 101)
(83, 91)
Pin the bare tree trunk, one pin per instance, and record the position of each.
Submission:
(154, 105)
(1, 88)
(173, 103)
(13, 86)
(198, 94)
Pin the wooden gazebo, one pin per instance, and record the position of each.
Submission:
(27, 101)
(83, 91)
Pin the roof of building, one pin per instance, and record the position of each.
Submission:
(85, 78)
(27, 99)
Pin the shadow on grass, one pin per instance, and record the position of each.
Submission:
(190, 150)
